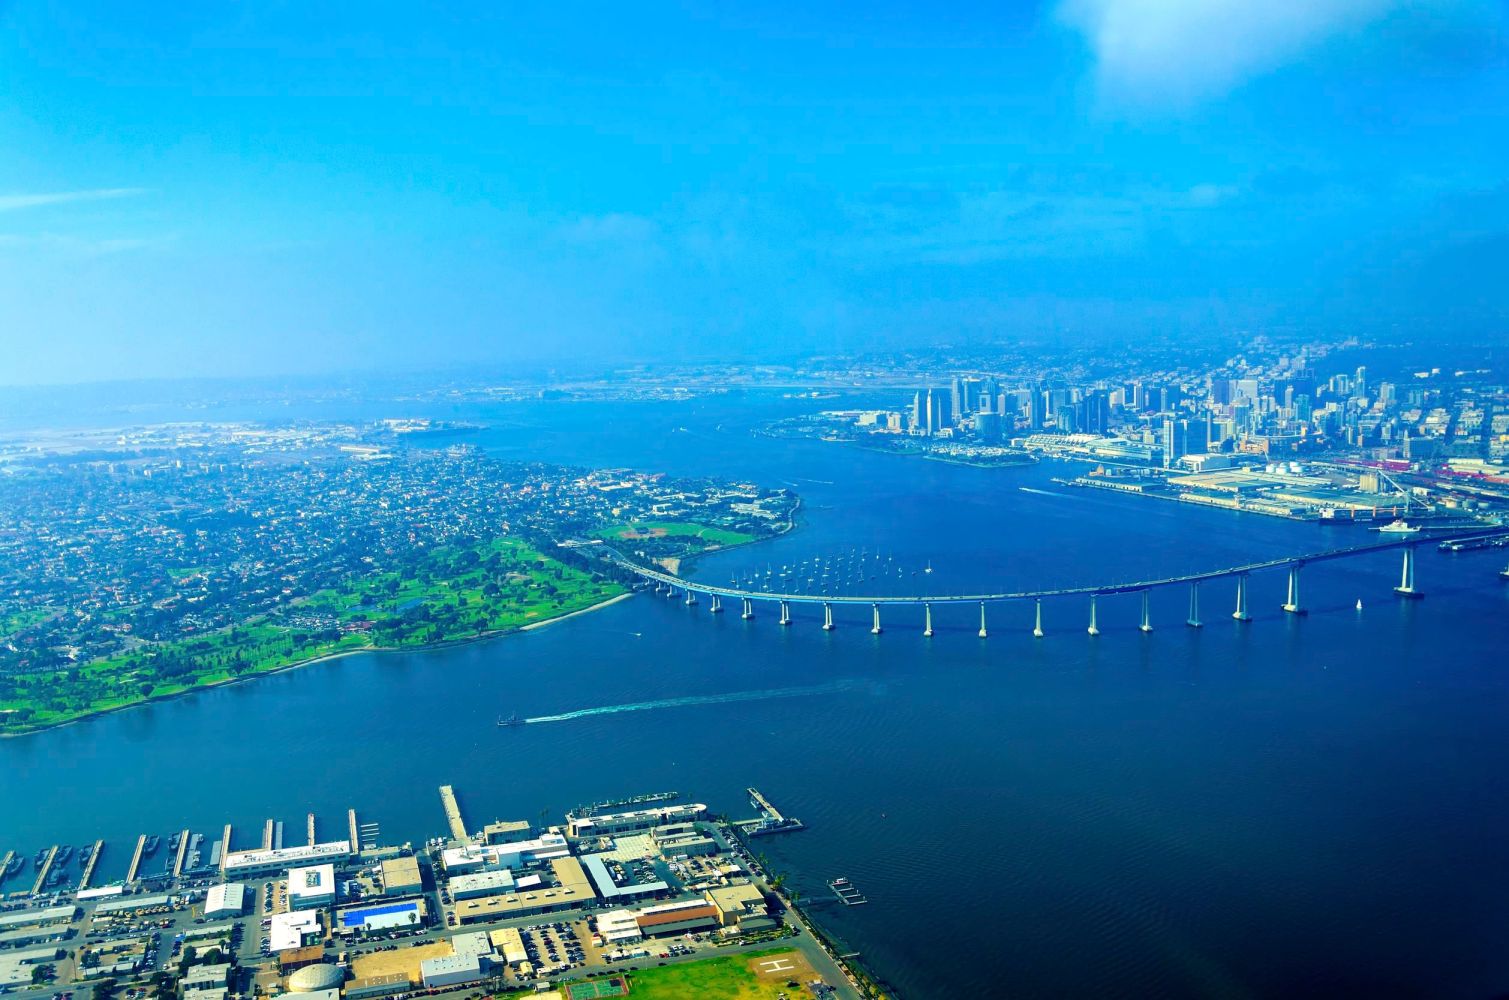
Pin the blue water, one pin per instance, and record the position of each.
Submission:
(1293, 806)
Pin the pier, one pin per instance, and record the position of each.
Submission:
(267, 835)
(183, 852)
(5, 864)
(845, 891)
(44, 871)
(452, 812)
(225, 846)
(94, 859)
(351, 825)
(771, 820)
(310, 824)
(136, 856)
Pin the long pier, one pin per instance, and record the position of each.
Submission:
(136, 856)
(671, 585)
(5, 863)
(761, 803)
(452, 812)
(312, 841)
(94, 859)
(267, 829)
(183, 852)
(44, 871)
(351, 825)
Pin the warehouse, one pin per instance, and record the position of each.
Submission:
(291, 930)
(225, 900)
(40, 918)
(609, 889)
(484, 883)
(128, 904)
(677, 918)
(401, 877)
(377, 986)
(405, 915)
(618, 925)
(453, 970)
(510, 943)
(572, 890)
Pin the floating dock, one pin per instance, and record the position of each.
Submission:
(845, 891)
(771, 820)
(136, 856)
(5, 863)
(183, 852)
(452, 812)
(44, 871)
(94, 859)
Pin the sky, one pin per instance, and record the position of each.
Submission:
(303, 187)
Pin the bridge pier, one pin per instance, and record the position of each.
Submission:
(1037, 628)
(785, 613)
(716, 608)
(670, 593)
(1147, 618)
(827, 617)
(1094, 627)
(691, 599)
(875, 628)
(982, 620)
(927, 620)
(1406, 586)
(1194, 605)
(1292, 604)
(748, 611)
(1240, 614)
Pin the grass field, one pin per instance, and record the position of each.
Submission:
(642, 530)
(727, 977)
(446, 595)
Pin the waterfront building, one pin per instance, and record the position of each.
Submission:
(475, 857)
(311, 888)
(261, 863)
(741, 906)
(611, 892)
(629, 822)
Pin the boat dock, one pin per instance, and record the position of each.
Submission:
(136, 856)
(267, 829)
(94, 859)
(771, 820)
(44, 871)
(312, 841)
(183, 852)
(845, 891)
(452, 812)
(351, 824)
(5, 864)
(225, 846)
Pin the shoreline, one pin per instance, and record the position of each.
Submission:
(314, 660)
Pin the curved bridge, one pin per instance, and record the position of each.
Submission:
(671, 584)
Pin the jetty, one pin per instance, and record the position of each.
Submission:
(5, 864)
(352, 829)
(44, 871)
(771, 820)
(452, 812)
(94, 859)
(183, 852)
(267, 829)
(225, 846)
(845, 891)
(136, 856)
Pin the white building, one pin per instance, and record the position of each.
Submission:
(289, 930)
(488, 882)
(225, 900)
(311, 888)
(253, 864)
(618, 925)
(476, 857)
(451, 970)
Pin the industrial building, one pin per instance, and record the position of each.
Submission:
(608, 824)
(510, 944)
(311, 888)
(225, 900)
(274, 861)
(453, 970)
(377, 986)
(476, 857)
(38, 918)
(571, 891)
(740, 906)
(618, 925)
(483, 883)
(609, 889)
(677, 918)
(408, 914)
(502, 831)
(293, 930)
(682, 840)
(401, 877)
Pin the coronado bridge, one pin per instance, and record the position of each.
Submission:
(693, 592)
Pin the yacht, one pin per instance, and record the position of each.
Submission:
(1398, 527)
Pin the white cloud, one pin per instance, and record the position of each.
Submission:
(1179, 51)
(13, 202)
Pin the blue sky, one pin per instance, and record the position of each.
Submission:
(268, 188)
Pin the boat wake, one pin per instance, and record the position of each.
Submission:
(1044, 493)
(700, 699)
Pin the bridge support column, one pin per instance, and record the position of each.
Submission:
(716, 607)
(1292, 605)
(982, 619)
(691, 599)
(1194, 605)
(748, 612)
(875, 628)
(1037, 628)
(827, 617)
(670, 593)
(785, 613)
(1240, 614)
(1406, 586)
(1147, 618)
(927, 620)
(1094, 627)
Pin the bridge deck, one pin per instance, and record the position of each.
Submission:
(1028, 595)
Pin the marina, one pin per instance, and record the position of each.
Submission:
(847, 893)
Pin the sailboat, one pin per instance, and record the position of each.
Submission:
(1359, 604)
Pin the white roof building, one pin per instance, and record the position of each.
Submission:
(475, 857)
(311, 887)
(225, 900)
(618, 925)
(289, 929)
(247, 864)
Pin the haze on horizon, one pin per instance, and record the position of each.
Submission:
(280, 189)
